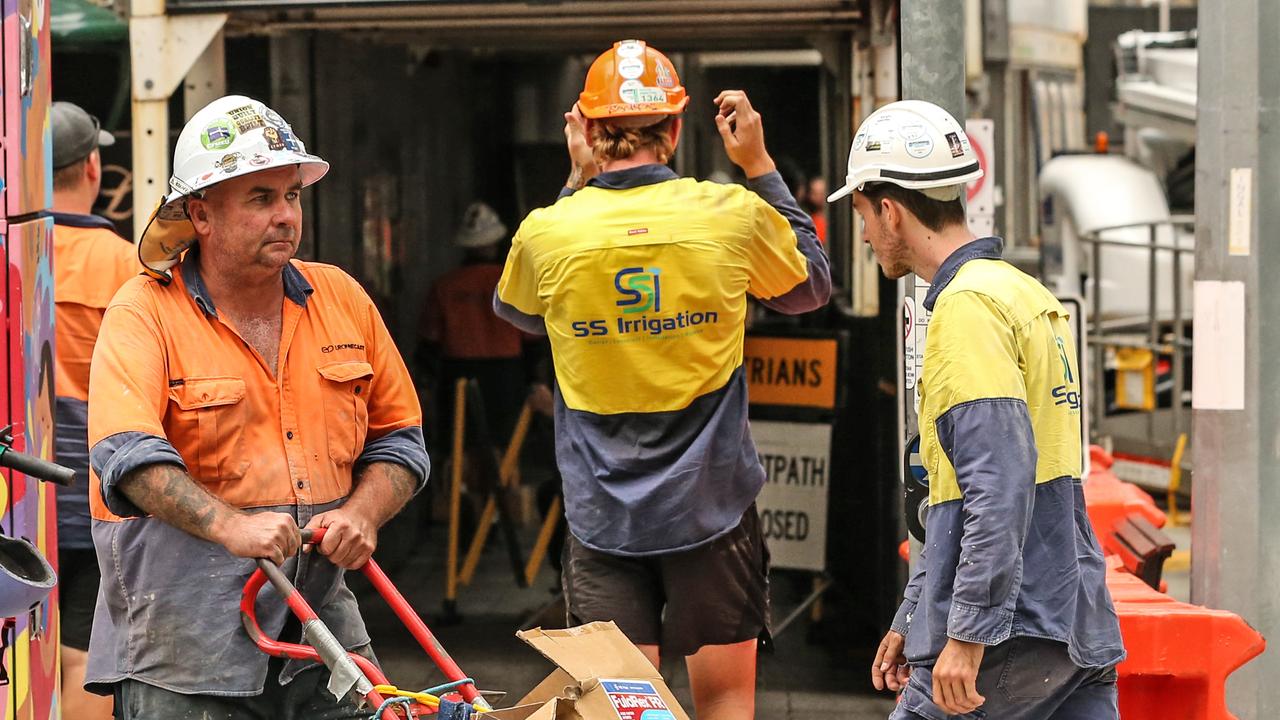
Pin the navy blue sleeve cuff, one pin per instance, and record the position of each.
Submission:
(815, 291)
(565, 192)
(532, 324)
(113, 458)
(404, 447)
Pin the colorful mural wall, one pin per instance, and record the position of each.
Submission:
(30, 656)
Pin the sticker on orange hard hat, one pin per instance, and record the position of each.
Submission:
(635, 92)
(664, 76)
(631, 68)
(630, 49)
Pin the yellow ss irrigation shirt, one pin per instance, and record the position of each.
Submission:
(641, 282)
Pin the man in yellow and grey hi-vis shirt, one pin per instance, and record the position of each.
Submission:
(641, 278)
(1008, 610)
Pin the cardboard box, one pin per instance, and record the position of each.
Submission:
(600, 675)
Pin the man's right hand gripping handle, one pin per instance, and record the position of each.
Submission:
(170, 494)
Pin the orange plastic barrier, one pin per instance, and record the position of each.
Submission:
(1179, 655)
(1108, 500)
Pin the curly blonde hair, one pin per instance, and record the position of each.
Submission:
(612, 140)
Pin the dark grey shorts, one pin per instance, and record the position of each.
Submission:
(717, 594)
(78, 578)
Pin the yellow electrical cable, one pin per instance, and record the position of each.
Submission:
(423, 698)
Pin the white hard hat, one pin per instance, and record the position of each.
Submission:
(481, 227)
(229, 137)
(913, 144)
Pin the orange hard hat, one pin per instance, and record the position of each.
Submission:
(632, 80)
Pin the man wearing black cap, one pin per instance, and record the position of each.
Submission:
(90, 263)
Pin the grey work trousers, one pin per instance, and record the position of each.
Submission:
(304, 698)
(1022, 679)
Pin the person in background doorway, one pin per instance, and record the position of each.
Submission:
(90, 262)
(463, 338)
(640, 278)
(1007, 614)
(814, 201)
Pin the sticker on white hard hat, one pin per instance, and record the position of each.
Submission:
(911, 132)
(218, 135)
(920, 147)
(247, 118)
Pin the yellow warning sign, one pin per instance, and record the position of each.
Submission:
(791, 371)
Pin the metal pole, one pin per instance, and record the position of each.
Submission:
(1153, 331)
(1179, 369)
(1099, 347)
(1236, 411)
(933, 54)
(932, 66)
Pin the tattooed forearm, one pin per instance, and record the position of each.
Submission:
(382, 490)
(576, 180)
(169, 493)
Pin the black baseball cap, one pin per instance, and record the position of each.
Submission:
(76, 133)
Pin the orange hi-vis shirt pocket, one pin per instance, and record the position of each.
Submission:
(346, 407)
(210, 417)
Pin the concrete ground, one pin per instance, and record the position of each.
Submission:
(795, 682)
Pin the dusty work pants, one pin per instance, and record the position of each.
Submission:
(1023, 679)
(305, 698)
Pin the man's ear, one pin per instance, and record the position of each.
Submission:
(93, 167)
(198, 212)
(676, 126)
(890, 214)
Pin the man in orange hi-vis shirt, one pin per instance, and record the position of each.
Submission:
(90, 262)
(237, 395)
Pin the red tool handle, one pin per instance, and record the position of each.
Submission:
(412, 621)
(300, 608)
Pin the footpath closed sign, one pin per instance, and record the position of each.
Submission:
(791, 371)
(793, 503)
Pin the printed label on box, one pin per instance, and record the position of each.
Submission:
(636, 700)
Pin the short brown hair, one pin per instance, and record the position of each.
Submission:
(616, 141)
(933, 214)
(69, 177)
